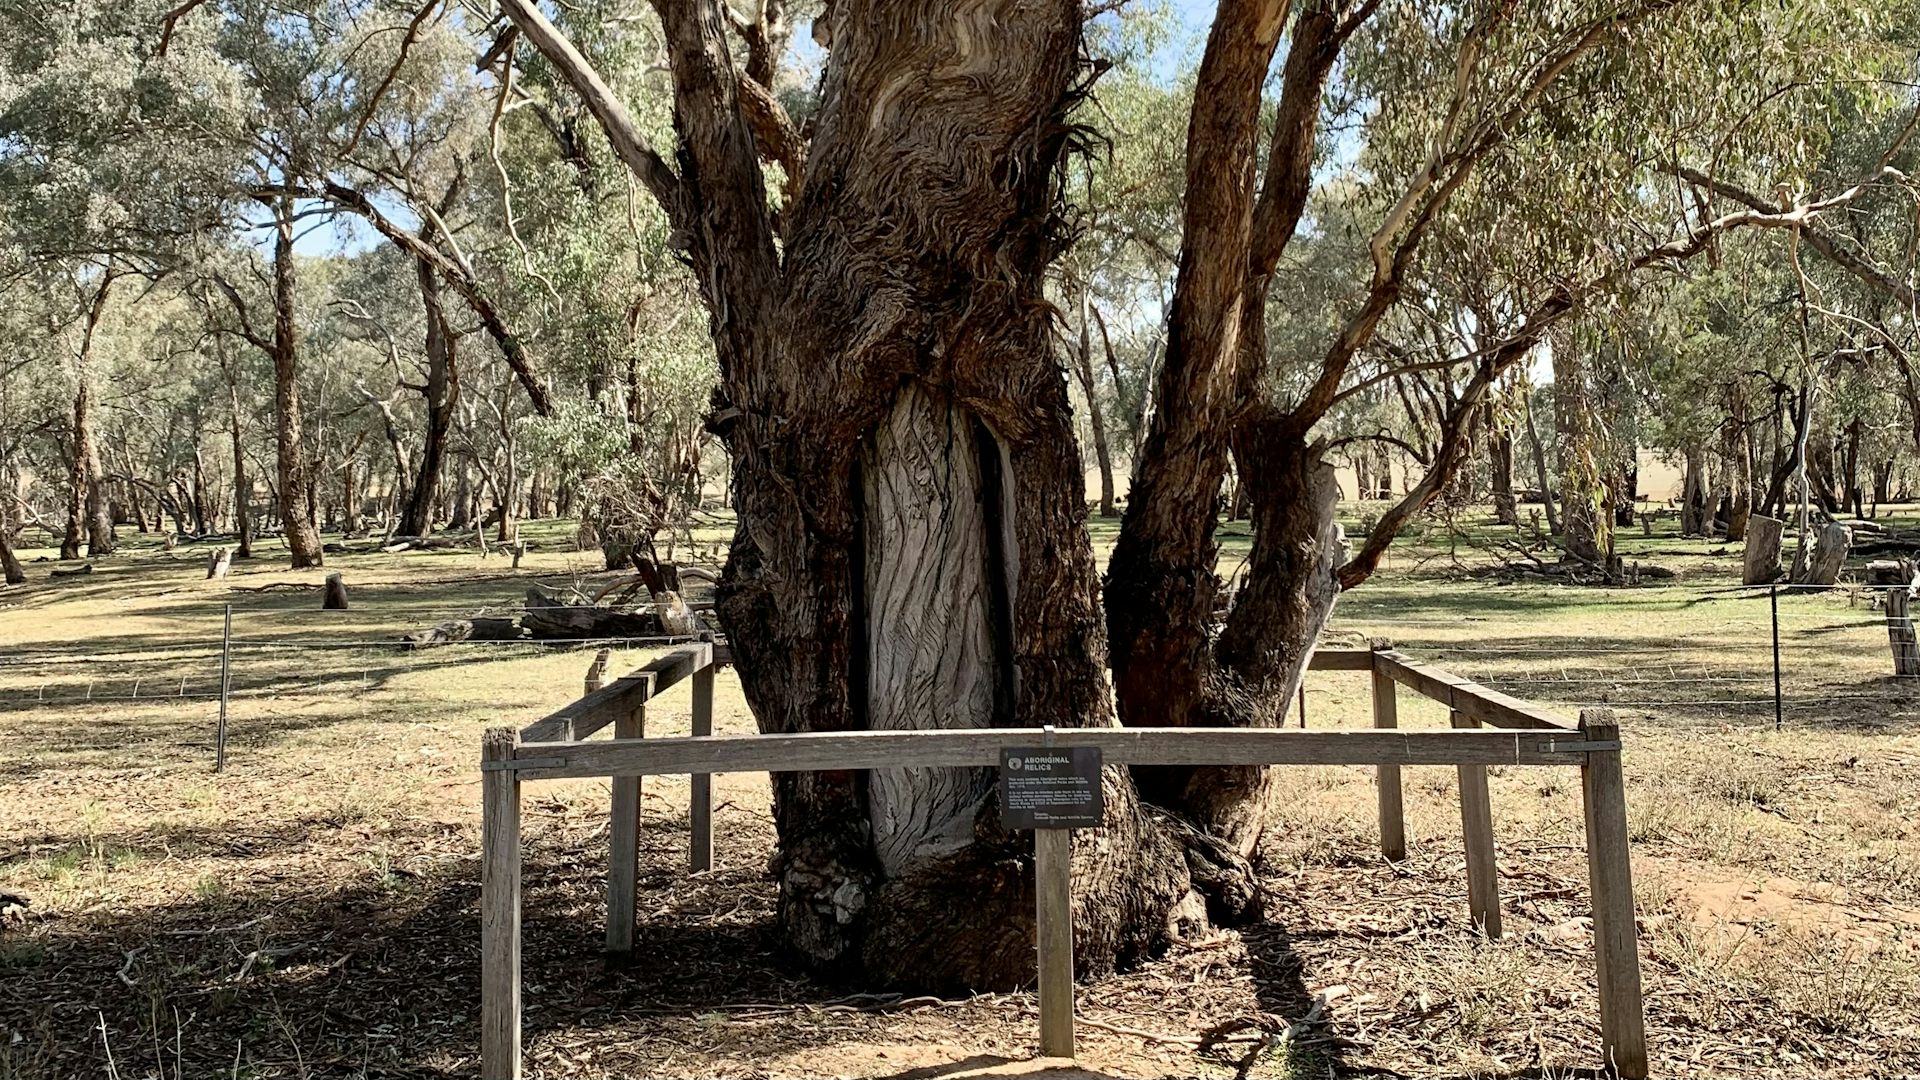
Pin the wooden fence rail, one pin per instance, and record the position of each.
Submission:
(1488, 728)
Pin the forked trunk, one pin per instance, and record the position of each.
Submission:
(912, 549)
(88, 515)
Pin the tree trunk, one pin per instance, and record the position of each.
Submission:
(10, 563)
(912, 549)
(1587, 526)
(242, 485)
(442, 396)
(1083, 358)
(1850, 470)
(296, 500)
(1734, 442)
(1693, 494)
(87, 511)
(460, 518)
(1500, 470)
(350, 497)
(1541, 475)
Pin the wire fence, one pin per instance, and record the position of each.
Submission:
(1741, 655)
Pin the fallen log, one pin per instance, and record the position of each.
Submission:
(83, 568)
(551, 616)
(457, 630)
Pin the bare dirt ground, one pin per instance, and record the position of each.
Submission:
(310, 912)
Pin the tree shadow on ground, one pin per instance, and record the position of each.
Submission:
(301, 955)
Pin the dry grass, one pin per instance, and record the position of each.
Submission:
(311, 911)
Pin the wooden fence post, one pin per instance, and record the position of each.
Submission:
(700, 809)
(623, 843)
(499, 907)
(1616, 939)
(1053, 912)
(1386, 714)
(1476, 826)
(597, 671)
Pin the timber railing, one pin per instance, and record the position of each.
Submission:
(1490, 728)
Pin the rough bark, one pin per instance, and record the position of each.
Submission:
(303, 540)
(1828, 557)
(1161, 587)
(1761, 560)
(1586, 526)
(929, 179)
(88, 515)
(442, 394)
(10, 566)
(1734, 442)
(1500, 469)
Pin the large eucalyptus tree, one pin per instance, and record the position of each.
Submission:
(911, 549)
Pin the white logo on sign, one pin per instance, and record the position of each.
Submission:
(1013, 763)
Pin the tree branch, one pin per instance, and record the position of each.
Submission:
(373, 102)
(1820, 240)
(625, 136)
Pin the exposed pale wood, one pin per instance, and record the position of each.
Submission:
(499, 911)
(815, 751)
(700, 810)
(932, 656)
(1476, 825)
(1761, 561)
(1053, 932)
(607, 704)
(1466, 696)
(1341, 660)
(623, 842)
(218, 563)
(1393, 825)
(1616, 942)
(1823, 564)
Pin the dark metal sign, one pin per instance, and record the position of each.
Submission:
(1047, 787)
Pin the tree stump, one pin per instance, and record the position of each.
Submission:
(169, 542)
(1900, 581)
(219, 563)
(1828, 557)
(335, 596)
(1764, 535)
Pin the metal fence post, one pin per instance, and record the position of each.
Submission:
(226, 686)
(1779, 707)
